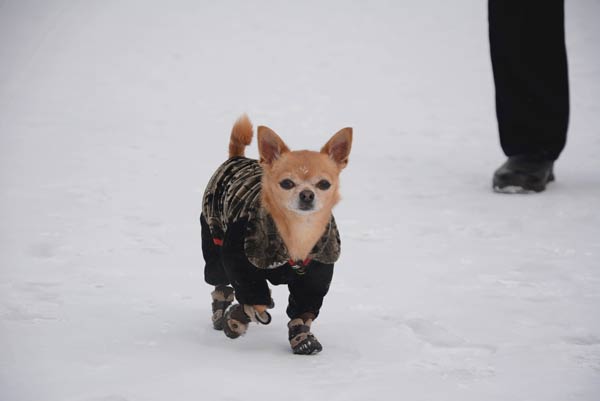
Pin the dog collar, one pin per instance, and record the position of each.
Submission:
(299, 266)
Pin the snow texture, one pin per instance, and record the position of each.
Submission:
(113, 115)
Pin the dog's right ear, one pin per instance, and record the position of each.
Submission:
(270, 145)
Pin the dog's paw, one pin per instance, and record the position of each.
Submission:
(235, 321)
(262, 318)
(222, 297)
(307, 346)
(238, 317)
(302, 341)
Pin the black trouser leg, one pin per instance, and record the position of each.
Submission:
(249, 283)
(529, 61)
(307, 291)
(214, 271)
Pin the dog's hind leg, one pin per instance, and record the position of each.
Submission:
(222, 297)
(214, 274)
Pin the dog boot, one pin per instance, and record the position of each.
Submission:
(303, 342)
(238, 317)
(222, 297)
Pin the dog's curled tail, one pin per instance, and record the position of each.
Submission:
(241, 136)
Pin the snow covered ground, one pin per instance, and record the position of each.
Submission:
(114, 114)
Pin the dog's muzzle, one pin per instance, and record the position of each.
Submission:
(306, 200)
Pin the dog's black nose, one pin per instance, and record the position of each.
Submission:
(307, 196)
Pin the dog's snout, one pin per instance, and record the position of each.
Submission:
(307, 196)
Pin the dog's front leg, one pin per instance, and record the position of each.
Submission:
(250, 285)
(260, 308)
(262, 315)
(302, 341)
(239, 316)
(306, 298)
(252, 296)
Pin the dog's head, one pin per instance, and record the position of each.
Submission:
(302, 182)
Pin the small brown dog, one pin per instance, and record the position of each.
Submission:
(270, 220)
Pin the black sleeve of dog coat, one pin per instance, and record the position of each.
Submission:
(307, 291)
(214, 272)
(249, 283)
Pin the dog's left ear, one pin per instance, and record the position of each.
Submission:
(338, 147)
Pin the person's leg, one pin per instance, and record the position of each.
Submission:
(305, 301)
(529, 61)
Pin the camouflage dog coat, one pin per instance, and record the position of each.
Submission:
(234, 194)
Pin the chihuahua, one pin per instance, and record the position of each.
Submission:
(270, 220)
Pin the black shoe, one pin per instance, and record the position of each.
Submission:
(523, 174)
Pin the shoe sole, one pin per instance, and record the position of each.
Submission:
(513, 189)
(517, 189)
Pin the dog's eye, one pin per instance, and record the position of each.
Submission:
(287, 184)
(323, 185)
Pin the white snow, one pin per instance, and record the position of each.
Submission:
(113, 115)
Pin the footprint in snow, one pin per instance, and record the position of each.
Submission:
(589, 339)
(42, 250)
(438, 336)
